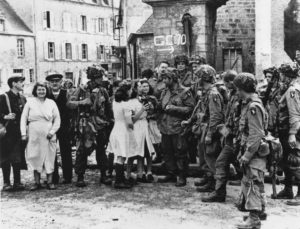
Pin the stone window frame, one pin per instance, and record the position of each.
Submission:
(83, 23)
(237, 51)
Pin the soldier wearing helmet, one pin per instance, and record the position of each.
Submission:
(181, 63)
(229, 132)
(93, 123)
(288, 128)
(254, 149)
(176, 104)
(209, 114)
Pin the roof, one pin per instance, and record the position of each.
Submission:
(147, 27)
(145, 30)
(15, 25)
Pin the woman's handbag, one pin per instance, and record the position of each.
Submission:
(3, 127)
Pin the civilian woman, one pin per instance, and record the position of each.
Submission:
(43, 120)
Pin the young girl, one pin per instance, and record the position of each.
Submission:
(145, 147)
(122, 139)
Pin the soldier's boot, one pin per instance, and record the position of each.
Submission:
(111, 157)
(120, 178)
(252, 222)
(219, 195)
(286, 193)
(80, 181)
(181, 181)
(261, 214)
(202, 181)
(105, 179)
(169, 178)
(208, 187)
(298, 193)
(18, 186)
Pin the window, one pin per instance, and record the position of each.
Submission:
(31, 75)
(2, 25)
(105, 2)
(68, 51)
(20, 47)
(113, 50)
(69, 75)
(47, 20)
(101, 25)
(232, 59)
(100, 52)
(18, 72)
(83, 23)
(51, 50)
(84, 49)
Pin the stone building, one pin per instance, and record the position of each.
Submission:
(250, 35)
(17, 47)
(73, 34)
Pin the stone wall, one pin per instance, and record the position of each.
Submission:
(236, 30)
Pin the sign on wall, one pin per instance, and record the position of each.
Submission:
(165, 40)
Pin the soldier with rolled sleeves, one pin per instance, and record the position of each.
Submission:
(211, 115)
(288, 128)
(254, 150)
(60, 97)
(176, 104)
(229, 132)
(181, 63)
(93, 124)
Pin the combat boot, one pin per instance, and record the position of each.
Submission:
(120, 178)
(208, 187)
(252, 222)
(202, 181)
(214, 197)
(261, 214)
(105, 179)
(286, 193)
(80, 181)
(170, 178)
(181, 182)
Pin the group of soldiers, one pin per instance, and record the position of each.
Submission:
(230, 121)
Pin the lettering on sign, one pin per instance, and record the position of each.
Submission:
(176, 39)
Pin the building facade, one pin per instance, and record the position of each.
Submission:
(17, 47)
(74, 34)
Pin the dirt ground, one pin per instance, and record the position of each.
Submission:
(159, 206)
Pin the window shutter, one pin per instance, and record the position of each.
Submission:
(79, 23)
(26, 75)
(46, 50)
(44, 19)
(80, 52)
(52, 21)
(98, 52)
(73, 52)
(63, 50)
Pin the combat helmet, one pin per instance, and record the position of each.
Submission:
(196, 59)
(181, 58)
(206, 73)
(94, 72)
(171, 73)
(246, 82)
(290, 70)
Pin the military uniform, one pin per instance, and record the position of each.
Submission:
(93, 123)
(212, 107)
(228, 153)
(289, 123)
(174, 143)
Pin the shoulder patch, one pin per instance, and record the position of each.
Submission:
(292, 92)
(253, 110)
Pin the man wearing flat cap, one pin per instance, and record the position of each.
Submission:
(59, 96)
(11, 146)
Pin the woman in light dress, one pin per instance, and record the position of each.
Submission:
(145, 147)
(43, 119)
(122, 141)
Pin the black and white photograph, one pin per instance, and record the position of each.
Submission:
(150, 114)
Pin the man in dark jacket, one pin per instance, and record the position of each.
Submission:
(11, 146)
(63, 135)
